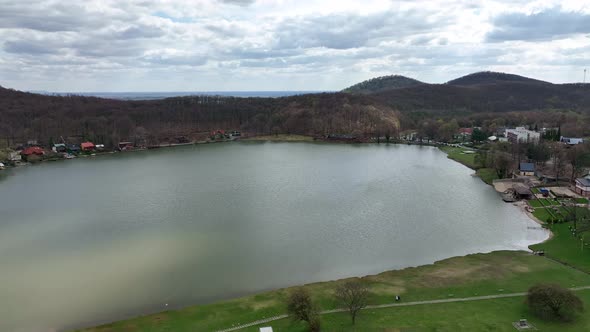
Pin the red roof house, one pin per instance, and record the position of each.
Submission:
(465, 131)
(32, 150)
(87, 146)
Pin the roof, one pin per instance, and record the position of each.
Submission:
(466, 130)
(87, 145)
(527, 167)
(521, 189)
(58, 145)
(583, 181)
(32, 150)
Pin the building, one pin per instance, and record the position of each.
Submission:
(126, 146)
(583, 186)
(60, 147)
(522, 135)
(14, 156)
(571, 140)
(32, 150)
(526, 169)
(87, 146)
(73, 148)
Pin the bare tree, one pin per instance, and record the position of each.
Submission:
(353, 294)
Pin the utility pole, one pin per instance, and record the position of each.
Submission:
(584, 76)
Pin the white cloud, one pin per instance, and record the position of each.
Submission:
(139, 45)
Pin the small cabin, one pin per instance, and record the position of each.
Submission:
(526, 169)
(60, 147)
(583, 186)
(87, 146)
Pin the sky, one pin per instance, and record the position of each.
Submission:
(252, 45)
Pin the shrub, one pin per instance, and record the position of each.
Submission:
(550, 301)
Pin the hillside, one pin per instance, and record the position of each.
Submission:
(490, 77)
(382, 83)
(28, 116)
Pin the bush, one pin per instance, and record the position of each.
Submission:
(550, 301)
(301, 308)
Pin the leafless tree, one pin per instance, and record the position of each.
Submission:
(353, 294)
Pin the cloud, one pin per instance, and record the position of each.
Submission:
(238, 2)
(545, 25)
(29, 47)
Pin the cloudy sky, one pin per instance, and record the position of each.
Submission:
(214, 45)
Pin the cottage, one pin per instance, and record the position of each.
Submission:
(60, 147)
(522, 191)
(583, 186)
(87, 146)
(32, 150)
(527, 169)
(73, 148)
(571, 140)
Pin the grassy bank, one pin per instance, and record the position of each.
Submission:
(566, 248)
(469, 159)
(472, 275)
(280, 138)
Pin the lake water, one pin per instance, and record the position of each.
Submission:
(105, 238)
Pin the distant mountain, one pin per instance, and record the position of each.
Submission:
(490, 77)
(382, 83)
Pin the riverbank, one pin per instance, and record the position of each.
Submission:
(499, 272)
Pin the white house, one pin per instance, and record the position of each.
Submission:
(522, 135)
(583, 186)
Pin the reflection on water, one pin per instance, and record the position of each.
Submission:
(95, 240)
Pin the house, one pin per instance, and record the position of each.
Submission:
(583, 186)
(522, 135)
(87, 146)
(32, 150)
(522, 191)
(1, 166)
(126, 146)
(73, 148)
(464, 132)
(14, 156)
(60, 147)
(526, 169)
(571, 140)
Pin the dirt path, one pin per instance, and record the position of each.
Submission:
(397, 304)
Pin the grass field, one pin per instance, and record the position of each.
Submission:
(488, 315)
(457, 154)
(566, 248)
(473, 275)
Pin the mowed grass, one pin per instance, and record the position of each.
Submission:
(473, 275)
(566, 248)
(458, 154)
(485, 315)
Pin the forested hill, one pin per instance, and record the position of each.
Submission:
(28, 116)
(489, 77)
(382, 83)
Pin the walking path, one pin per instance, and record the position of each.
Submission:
(389, 305)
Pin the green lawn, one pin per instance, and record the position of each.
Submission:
(566, 248)
(535, 190)
(488, 175)
(581, 200)
(473, 275)
(535, 203)
(459, 155)
(487, 315)
(543, 214)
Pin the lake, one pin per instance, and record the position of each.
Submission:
(98, 239)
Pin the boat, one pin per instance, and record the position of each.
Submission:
(2, 166)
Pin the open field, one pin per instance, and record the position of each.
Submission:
(565, 248)
(486, 315)
(488, 175)
(473, 275)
